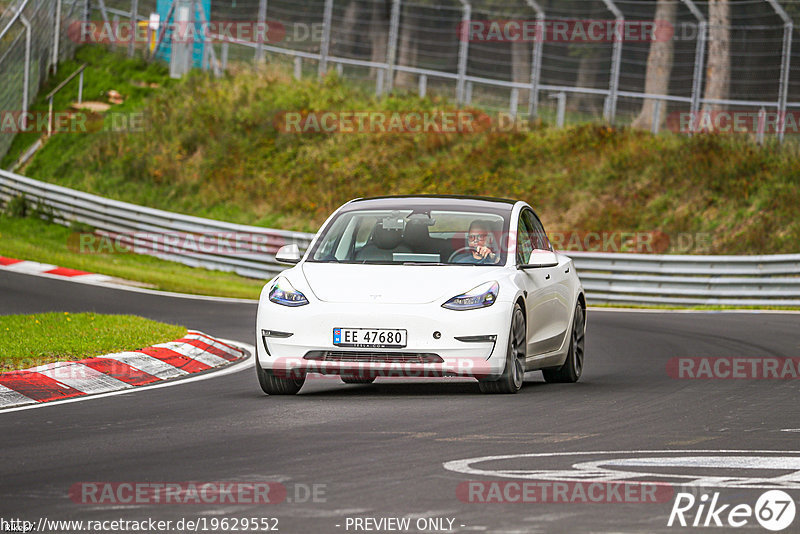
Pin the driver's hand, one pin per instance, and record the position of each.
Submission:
(485, 252)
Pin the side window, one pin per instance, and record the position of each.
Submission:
(524, 243)
(539, 240)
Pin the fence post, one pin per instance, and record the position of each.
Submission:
(562, 108)
(423, 85)
(463, 51)
(391, 53)
(262, 20)
(616, 59)
(87, 14)
(298, 67)
(56, 36)
(514, 103)
(536, 60)
(786, 59)
(762, 121)
(699, 60)
(326, 38)
(27, 74)
(134, 27)
(656, 123)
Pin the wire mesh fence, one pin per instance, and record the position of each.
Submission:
(653, 64)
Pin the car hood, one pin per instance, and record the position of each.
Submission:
(392, 284)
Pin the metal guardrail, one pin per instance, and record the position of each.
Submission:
(245, 250)
(612, 278)
(609, 278)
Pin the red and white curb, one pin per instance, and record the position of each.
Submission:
(33, 267)
(193, 353)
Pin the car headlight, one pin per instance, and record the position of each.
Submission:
(482, 296)
(285, 294)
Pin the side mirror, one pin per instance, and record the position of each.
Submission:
(541, 258)
(288, 254)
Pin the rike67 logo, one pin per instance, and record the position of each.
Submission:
(774, 510)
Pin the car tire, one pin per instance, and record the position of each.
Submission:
(358, 379)
(514, 373)
(572, 368)
(276, 385)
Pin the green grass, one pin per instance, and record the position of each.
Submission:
(31, 340)
(36, 240)
(210, 148)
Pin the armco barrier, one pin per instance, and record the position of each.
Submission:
(609, 278)
(251, 250)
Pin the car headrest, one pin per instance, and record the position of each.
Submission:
(386, 239)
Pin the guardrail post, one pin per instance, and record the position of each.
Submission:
(326, 38)
(224, 55)
(536, 60)
(463, 51)
(699, 60)
(262, 20)
(616, 59)
(423, 85)
(468, 94)
(391, 52)
(134, 27)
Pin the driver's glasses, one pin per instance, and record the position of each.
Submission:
(476, 237)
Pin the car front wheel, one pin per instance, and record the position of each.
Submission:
(514, 373)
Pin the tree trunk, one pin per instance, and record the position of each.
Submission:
(659, 67)
(407, 56)
(342, 37)
(584, 102)
(521, 65)
(379, 32)
(718, 70)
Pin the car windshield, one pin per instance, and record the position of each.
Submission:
(426, 236)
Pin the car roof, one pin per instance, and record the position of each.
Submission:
(439, 201)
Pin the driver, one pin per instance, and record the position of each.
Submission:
(480, 241)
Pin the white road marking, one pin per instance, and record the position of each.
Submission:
(602, 470)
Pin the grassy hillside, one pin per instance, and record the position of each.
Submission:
(209, 147)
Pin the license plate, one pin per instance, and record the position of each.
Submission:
(370, 337)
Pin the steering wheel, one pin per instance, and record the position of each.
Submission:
(457, 252)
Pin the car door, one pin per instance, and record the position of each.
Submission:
(539, 288)
(559, 308)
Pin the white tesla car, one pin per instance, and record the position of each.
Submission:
(423, 286)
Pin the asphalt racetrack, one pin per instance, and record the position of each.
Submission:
(404, 448)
